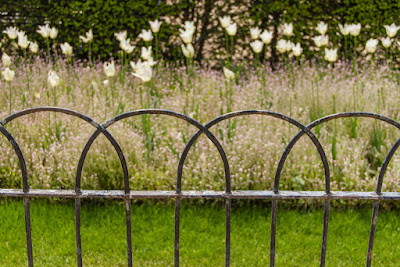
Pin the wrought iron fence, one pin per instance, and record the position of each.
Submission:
(127, 195)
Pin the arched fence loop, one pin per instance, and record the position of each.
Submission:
(77, 185)
(182, 159)
(127, 194)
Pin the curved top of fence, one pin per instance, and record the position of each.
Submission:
(343, 115)
(267, 113)
(169, 113)
(99, 127)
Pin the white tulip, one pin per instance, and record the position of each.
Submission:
(330, 54)
(225, 21)
(186, 35)
(23, 40)
(322, 27)
(255, 33)
(6, 60)
(109, 69)
(88, 37)
(146, 53)
(386, 42)
(155, 25)
(282, 46)
(53, 79)
(355, 29)
(344, 30)
(391, 30)
(371, 45)
(321, 40)
(229, 75)
(12, 32)
(125, 44)
(33, 47)
(8, 74)
(188, 50)
(297, 50)
(189, 26)
(231, 29)
(142, 70)
(66, 49)
(53, 33)
(257, 46)
(266, 36)
(44, 31)
(121, 35)
(287, 29)
(146, 35)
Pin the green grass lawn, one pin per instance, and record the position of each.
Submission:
(202, 235)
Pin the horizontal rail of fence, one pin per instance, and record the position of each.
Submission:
(127, 195)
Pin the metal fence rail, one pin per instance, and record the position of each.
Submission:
(127, 195)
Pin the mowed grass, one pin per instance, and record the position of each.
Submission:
(202, 240)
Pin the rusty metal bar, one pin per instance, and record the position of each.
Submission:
(238, 194)
(228, 205)
(325, 232)
(273, 232)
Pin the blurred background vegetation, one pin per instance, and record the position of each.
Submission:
(105, 17)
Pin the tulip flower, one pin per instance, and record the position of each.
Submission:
(229, 75)
(88, 38)
(146, 36)
(53, 79)
(189, 26)
(109, 68)
(322, 27)
(155, 26)
(188, 50)
(6, 60)
(142, 71)
(284, 46)
(287, 29)
(330, 54)
(371, 45)
(297, 50)
(23, 40)
(225, 21)
(391, 30)
(66, 49)
(266, 36)
(53, 33)
(231, 29)
(44, 31)
(186, 36)
(146, 53)
(386, 42)
(12, 32)
(121, 35)
(344, 30)
(257, 46)
(321, 40)
(255, 33)
(8, 74)
(355, 29)
(33, 47)
(125, 45)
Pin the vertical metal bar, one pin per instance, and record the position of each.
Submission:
(78, 232)
(325, 232)
(372, 232)
(128, 231)
(228, 205)
(177, 224)
(28, 231)
(273, 232)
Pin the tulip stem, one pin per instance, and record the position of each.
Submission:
(10, 96)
